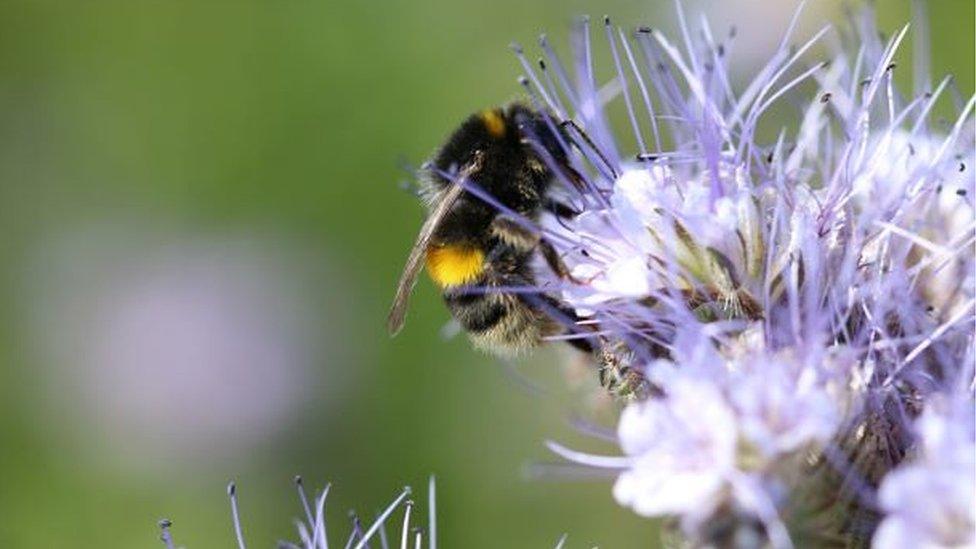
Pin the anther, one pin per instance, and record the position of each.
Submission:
(825, 97)
(645, 30)
(405, 530)
(961, 192)
(356, 523)
(235, 514)
(300, 486)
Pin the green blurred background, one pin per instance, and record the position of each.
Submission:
(201, 231)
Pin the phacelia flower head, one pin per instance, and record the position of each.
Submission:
(784, 315)
(396, 525)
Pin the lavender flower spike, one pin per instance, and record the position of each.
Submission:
(791, 321)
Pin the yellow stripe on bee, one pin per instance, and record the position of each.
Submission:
(494, 123)
(454, 265)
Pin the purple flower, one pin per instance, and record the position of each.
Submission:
(791, 306)
(313, 533)
(930, 501)
(682, 450)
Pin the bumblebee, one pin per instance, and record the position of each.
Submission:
(476, 245)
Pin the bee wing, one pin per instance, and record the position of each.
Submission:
(409, 277)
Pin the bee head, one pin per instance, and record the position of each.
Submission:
(538, 129)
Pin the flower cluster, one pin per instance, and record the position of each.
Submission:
(791, 321)
(930, 501)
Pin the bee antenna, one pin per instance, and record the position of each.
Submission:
(589, 142)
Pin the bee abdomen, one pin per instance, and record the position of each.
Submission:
(498, 322)
(477, 311)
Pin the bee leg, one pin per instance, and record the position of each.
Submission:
(512, 236)
(584, 344)
(575, 178)
(589, 142)
(555, 262)
(561, 210)
(557, 265)
(618, 377)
